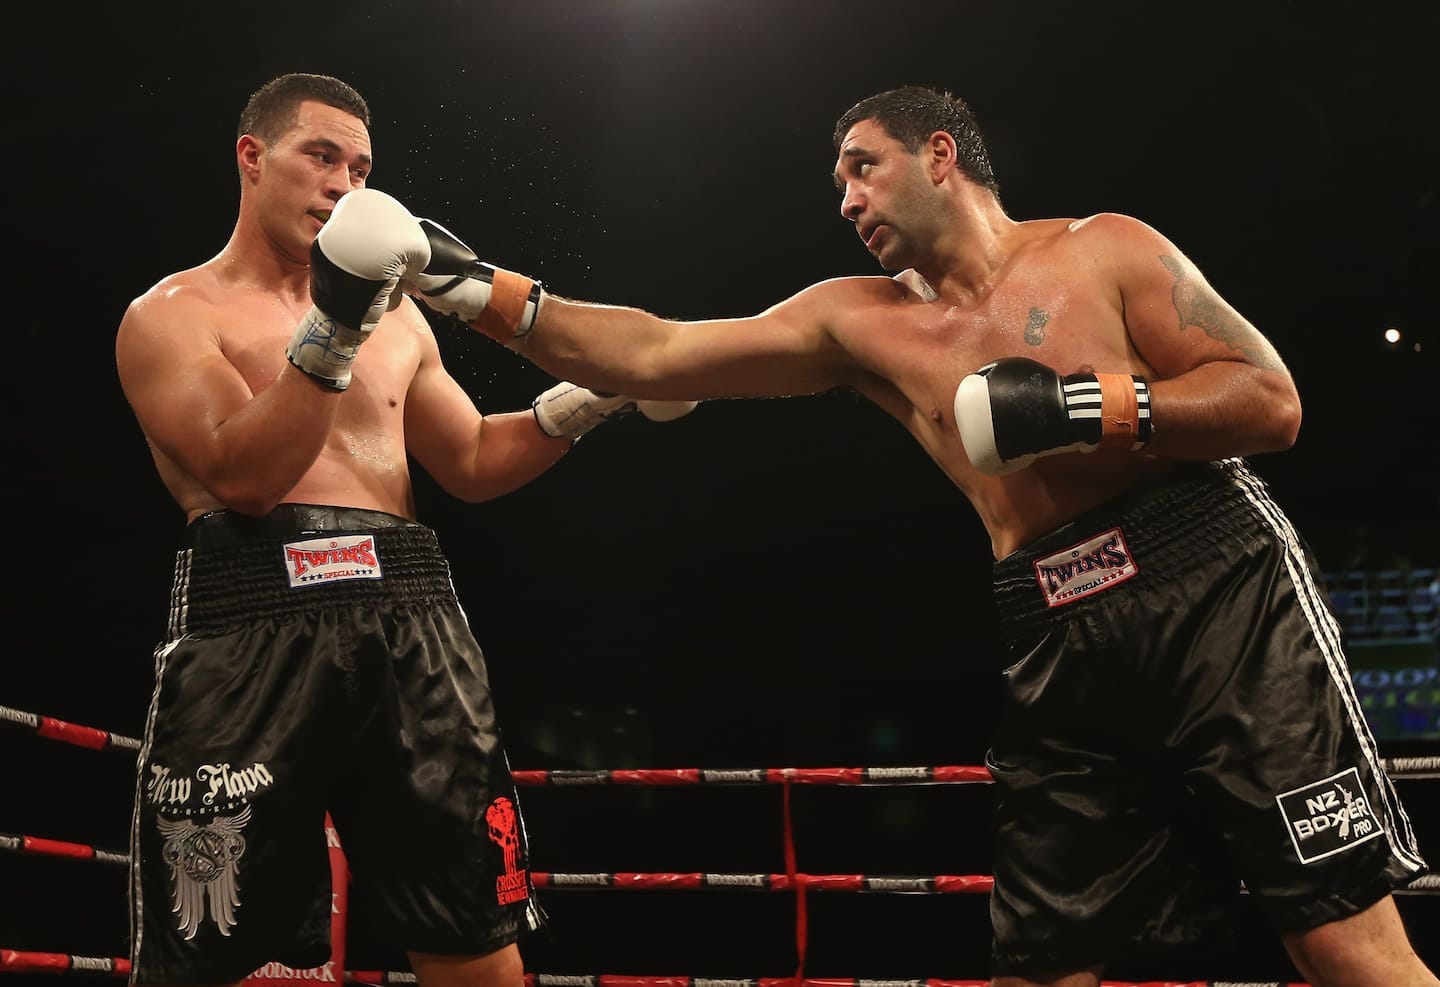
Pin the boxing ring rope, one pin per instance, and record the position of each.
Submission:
(662, 880)
(18, 961)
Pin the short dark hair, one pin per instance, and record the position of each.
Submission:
(910, 114)
(273, 108)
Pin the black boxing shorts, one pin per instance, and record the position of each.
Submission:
(1179, 718)
(318, 661)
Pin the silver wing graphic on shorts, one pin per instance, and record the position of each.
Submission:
(203, 861)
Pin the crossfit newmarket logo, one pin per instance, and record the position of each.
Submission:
(1086, 568)
(1329, 816)
(502, 820)
(321, 560)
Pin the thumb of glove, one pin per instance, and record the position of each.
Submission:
(666, 411)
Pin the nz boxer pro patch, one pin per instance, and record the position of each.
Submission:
(1329, 816)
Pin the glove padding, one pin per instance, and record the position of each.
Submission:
(369, 243)
(569, 410)
(1013, 411)
(501, 304)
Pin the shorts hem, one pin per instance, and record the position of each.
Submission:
(304, 957)
(1292, 915)
(470, 946)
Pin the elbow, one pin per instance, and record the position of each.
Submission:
(244, 498)
(251, 506)
(1285, 422)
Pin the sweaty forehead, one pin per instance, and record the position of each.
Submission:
(866, 132)
(864, 139)
(318, 121)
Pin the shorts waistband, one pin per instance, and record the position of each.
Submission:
(286, 521)
(1163, 531)
(298, 558)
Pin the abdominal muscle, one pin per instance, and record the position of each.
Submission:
(340, 477)
(1019, 508)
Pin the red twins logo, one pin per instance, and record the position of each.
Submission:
(324, 559)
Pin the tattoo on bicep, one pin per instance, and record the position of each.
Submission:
(1035, 326)
(1197, 305)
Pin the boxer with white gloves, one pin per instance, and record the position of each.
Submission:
(358, 258)
(1011, 412)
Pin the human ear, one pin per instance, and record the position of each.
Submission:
(942, 153)
(248, 151)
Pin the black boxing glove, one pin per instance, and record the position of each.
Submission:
(1010, 412)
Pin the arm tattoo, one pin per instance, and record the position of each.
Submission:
(1035, 326)
(1197, 305)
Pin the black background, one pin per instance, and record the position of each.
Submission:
(767, 583)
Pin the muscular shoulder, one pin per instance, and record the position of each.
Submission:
(1111, 233)
(837, 295)
(195, 286)
(836, 305)
(176, 299)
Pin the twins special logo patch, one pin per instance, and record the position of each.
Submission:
(322, 560)
(1328, 817)
(1080, 570)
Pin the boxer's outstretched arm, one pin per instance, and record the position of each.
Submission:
(787, 349)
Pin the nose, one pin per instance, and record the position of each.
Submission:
(339, 181)
(852, 204)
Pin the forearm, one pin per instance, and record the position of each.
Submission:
(510, 451)
(258, 454)
(1224, 409)
(605, 347)
(1015, 410)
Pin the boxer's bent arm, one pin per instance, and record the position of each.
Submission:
(473, 459)
(1218, 387)
(248, 450)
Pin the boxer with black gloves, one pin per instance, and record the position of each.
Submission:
(1150, 591)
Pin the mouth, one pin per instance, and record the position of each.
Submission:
(869, 236)
(323, 215)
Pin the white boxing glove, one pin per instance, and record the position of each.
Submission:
(569, 410)
(369, 243)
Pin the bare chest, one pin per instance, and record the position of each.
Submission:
(254, 337)
(924, 350)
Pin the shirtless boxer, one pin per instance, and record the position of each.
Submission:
(317, 658)
(1179, 713)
